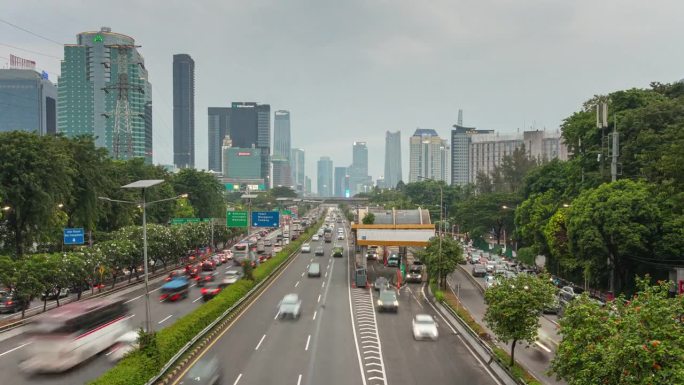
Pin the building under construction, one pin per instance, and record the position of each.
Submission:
(104, 92)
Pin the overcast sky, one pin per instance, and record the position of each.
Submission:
(351, 69)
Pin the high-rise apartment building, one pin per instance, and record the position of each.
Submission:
(392, 159)
(218, 129)
(325, 177)
(28, 102)
(298, 169)
(427, 156)
(461, 137)
(341, 182)
(183, 111)
(104, 91)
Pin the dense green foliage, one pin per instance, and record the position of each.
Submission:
(441, 257)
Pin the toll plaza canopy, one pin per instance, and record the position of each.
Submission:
(394, 227)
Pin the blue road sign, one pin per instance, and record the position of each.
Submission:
(265, 219)
(74, 237)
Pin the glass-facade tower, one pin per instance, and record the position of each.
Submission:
(183, 111)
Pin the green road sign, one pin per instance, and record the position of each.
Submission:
(286, 212)
(180, 221)
(236, 218)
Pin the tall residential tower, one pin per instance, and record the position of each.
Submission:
(429, 156)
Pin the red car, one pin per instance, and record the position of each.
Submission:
(205, 277)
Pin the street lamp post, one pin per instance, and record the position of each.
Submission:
(143, 185)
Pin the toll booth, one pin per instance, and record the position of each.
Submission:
(360, 277)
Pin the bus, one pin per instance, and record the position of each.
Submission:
(73, 333)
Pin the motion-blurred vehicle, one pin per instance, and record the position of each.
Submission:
(9, 302)
(208, 265)
(387, 300)
(277, 249)
(176, 289)
(212, 289)
(381, 283)
(306, 248)
(71, 334)
(314, 270)
(316, 237)
(479, 270)
(122, 346)
(205, 277)
(319, 251)
(290, 306)
(232, 276)
(206, 371)
(176, 273)
(424, 326)
(340, 237)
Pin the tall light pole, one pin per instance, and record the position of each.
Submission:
(143, 185)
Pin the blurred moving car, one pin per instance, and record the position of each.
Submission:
(268, 242)
(340, 236)
(232, 276)
(387, 300)
(319, 251)
(314, 270)
(205, 277)
(479, 270)
(122, 346)
(290, 306)
(424, 326)
(176, 273)
(206, 371)
(177, 288)
(381, 283)
(306, 248)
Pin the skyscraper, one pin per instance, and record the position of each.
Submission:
(325, 177)
(461, 137)
(103, 91)
(27, 102)
(250, 126)
(282, 175)
(218, 129)
(281, 135)
(392, 159)
(428, 156)
(183, 111)
(359, 181)
(298, 170)
(341, 181)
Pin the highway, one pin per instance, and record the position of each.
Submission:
(339, 339)
(162, 313)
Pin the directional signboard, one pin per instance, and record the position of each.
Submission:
(236, 218)
(180, 221)
(265, 219)
(74, 237)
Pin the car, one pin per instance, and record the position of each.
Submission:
(568, 293)
(319, 251)
(479, 270)
(11, 303)
(122, 346)
(277, 249)
(371, 255)
(176, 273)
(490, 267)
(208, 265)
(337, 251)
(340, 237)
(381, 283)
(387, 300)
(212, 289)
(415, 274)
(424, 327)
(554, 307)
(491, 281)
(306, 248)
(268, 242)
(316, 237)
(54, 294)
(314, 270)
(231, 277)
(204, 277)
(206, 371)
(393, 261)
(290, 306)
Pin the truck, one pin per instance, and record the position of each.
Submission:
(328, 235)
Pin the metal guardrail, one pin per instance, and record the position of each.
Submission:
(223, 319)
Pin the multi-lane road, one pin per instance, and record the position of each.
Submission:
(339, 338)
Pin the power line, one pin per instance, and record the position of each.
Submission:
(30, 51)
(30, 32)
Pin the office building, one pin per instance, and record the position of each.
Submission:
(282, 175)
(325, 177)
(307, 185)
(392, 159)
(218, 129)
(427, 156)
(242, 163)
(341, 182)
(183, 111)
(359, 180)
(461, 138)
(298, 169)
(28, 102)
(104, 91)
(488, 151)
(281, 135)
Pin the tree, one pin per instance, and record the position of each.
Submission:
(368, 219)
(482, 214)
(204, 190)
(514, 307)
(184, 209)
(441, 260)
(640, 341)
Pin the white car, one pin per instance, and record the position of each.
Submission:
(315, 237)
(491, 281)
(424, 326)
(123, 345)
(340, 237)
(277, 249)
(306, 248)
(290, 306)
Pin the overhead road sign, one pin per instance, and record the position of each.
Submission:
(265, 219)
(180, 221)
(74, 236)
(236, 219)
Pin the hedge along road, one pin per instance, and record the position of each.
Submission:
(163, 314)
(318, 348)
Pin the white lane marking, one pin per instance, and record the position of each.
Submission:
(237, 379)
(297, 284)
(197, 300)
(542, 346)
(319, 298)
(314, 316)
(308, 339)
(299, 380)
(193, 285)
(311, 260)
(17, 348)
(277, 314)
(326, 274)
(323, 284)
(302, 273)
(133, 299)
(160, 322)
(260, 341)
(152, 291)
